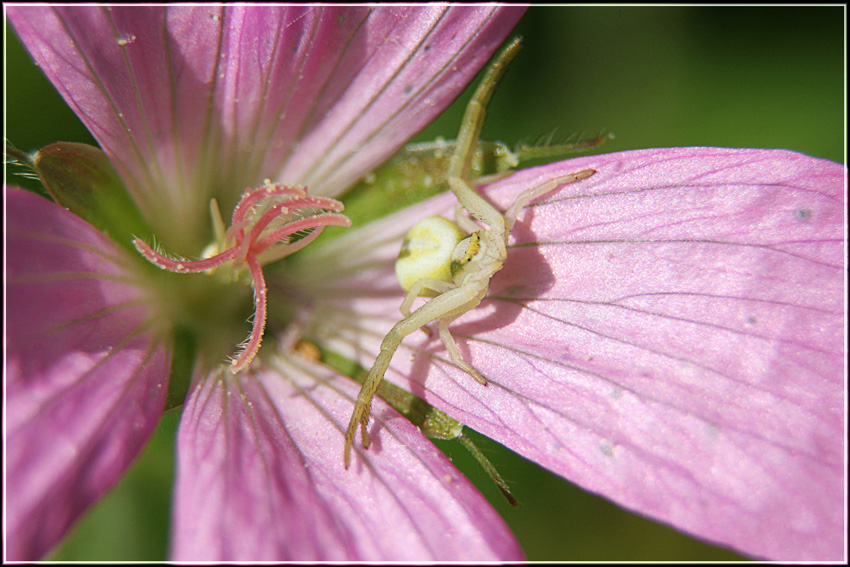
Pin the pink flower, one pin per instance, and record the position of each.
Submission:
(192, 104)
(668, 333)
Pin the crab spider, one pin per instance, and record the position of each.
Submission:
(452, 263)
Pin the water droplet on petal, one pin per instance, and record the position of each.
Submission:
(126, 39)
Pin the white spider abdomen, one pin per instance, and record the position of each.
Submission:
(427, 253)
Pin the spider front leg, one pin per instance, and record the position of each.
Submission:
(422, 288)
(449, 304)
(460, 163)
(529, 195)
(418, 290)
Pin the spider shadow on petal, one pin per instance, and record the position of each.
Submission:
(526, 276)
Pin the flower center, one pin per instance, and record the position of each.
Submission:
(268, 223)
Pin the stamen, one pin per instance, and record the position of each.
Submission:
(273, 252)
(250, 198)
(182, 266)
(317, 221)
(254, 248)
(260, 292)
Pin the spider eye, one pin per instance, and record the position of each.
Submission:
(427, 253)
(466, 251)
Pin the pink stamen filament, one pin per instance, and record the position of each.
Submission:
(287, 206)
(317, 221)
(250, 198)
(182, 266)
(247, 249)
(258, 328)
(271, 253)
(277, 210)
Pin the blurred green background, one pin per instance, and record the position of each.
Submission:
(655, 76)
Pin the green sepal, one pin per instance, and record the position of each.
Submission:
(182, 364)
(408, 177)
(81, 179)
(419, 171)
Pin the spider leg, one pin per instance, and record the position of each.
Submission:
(451, 345)
(463, 221)
(453, 302)
(460, 162)
(437, 285)
(546, 187)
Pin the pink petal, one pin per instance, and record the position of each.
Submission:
(386, 88)
(260, 477)
(667, 333)
(85, 377)
(202, 101)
